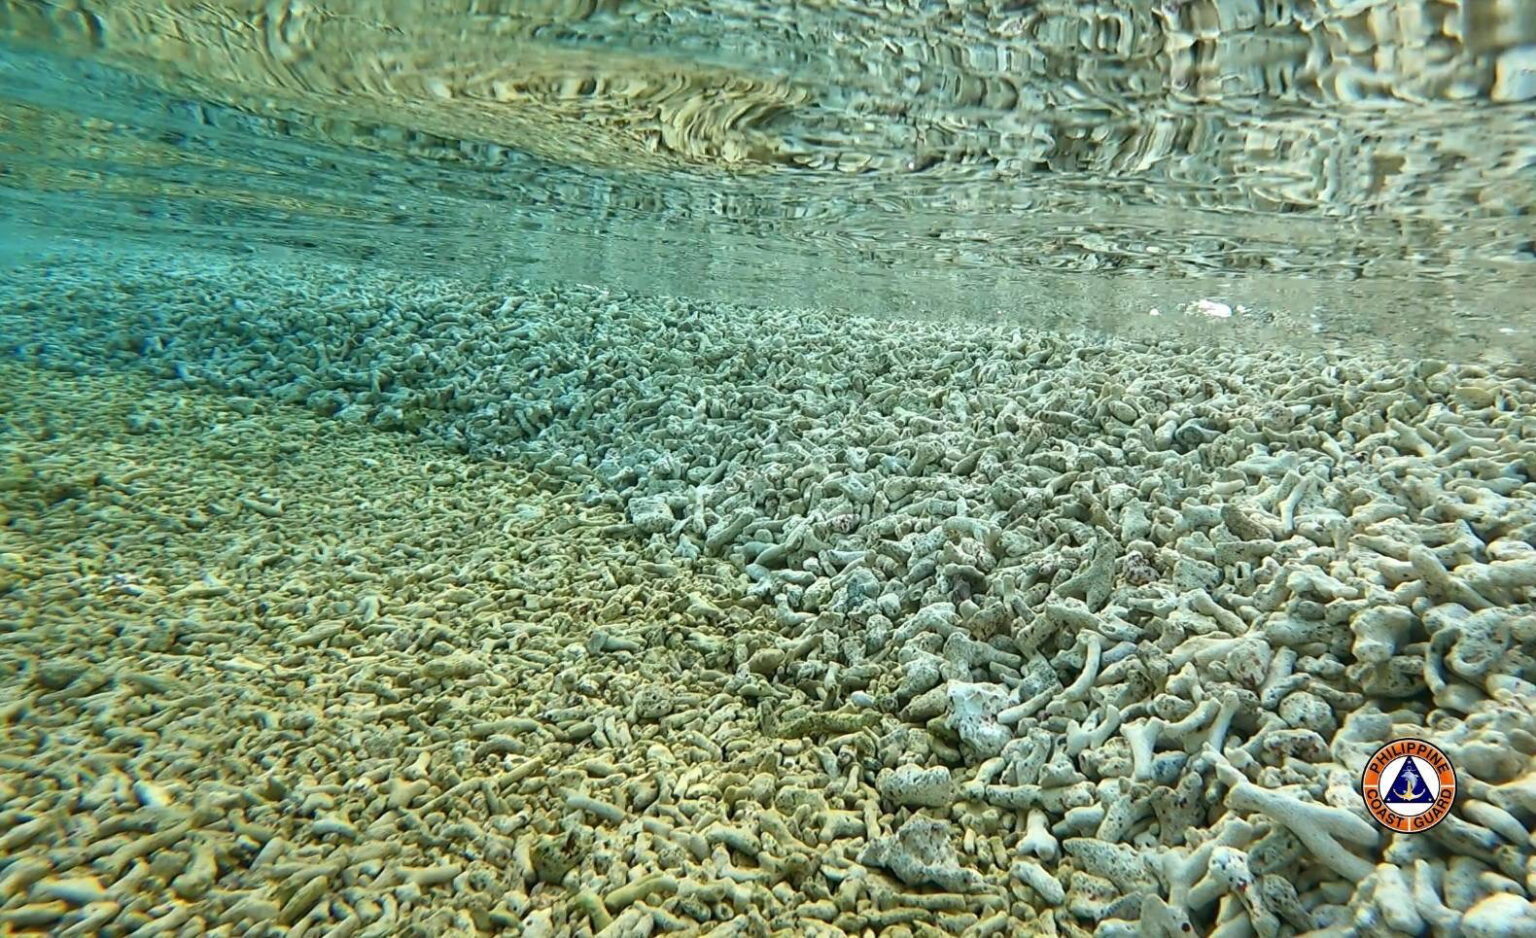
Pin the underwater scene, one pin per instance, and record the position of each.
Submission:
(877, 468)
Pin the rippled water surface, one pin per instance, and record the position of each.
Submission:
(1352, 172)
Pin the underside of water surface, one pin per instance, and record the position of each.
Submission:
(1350, 171)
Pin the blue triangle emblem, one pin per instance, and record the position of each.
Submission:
(1409, 787)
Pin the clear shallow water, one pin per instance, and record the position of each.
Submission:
(750, 618)
(1347, 174)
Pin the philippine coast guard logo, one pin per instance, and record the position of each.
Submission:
(1409, 785)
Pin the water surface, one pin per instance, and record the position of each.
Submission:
(1344, 173)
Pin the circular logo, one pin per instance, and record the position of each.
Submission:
(1408, 785)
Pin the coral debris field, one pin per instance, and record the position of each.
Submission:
(657, 616)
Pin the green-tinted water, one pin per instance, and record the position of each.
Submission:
(1352, 170)
(607, 469)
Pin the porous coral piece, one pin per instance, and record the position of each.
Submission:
(1120, 864)
(920, 853)
(913, 786)
(973, 715)
(651, 514)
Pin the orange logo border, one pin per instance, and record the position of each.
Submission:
(1428, 754)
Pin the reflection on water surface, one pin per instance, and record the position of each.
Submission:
(1344, 170)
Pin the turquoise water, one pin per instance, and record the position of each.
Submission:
(604, 468)
(1360, 172)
